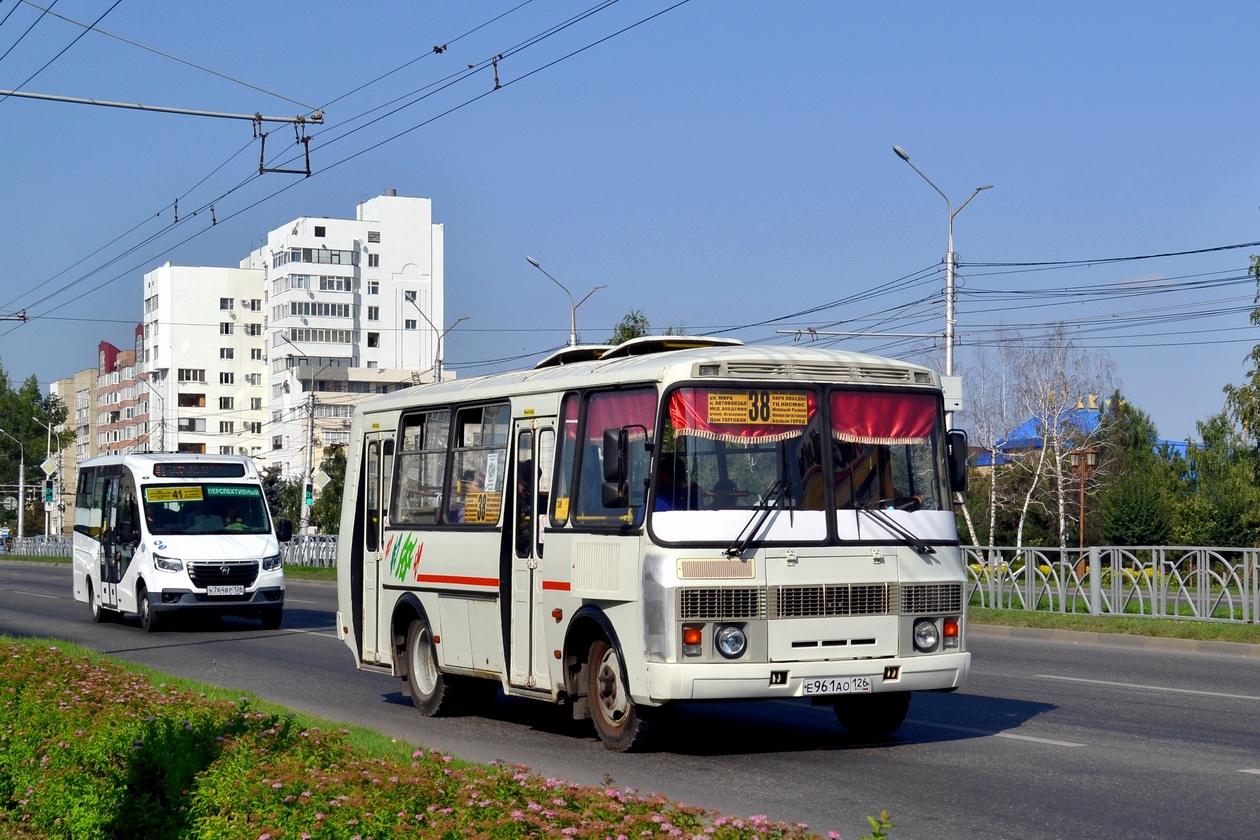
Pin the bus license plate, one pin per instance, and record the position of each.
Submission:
(836, 685)
(227, 590)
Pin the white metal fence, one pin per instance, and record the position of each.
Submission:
(1197, 583)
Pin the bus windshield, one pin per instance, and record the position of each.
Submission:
(205, 509)
(737, 449)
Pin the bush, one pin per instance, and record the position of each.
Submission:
(90, 751)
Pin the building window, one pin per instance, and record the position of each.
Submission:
(374, 260)
(255, 305)
(192, 400)
(255, 403)
(374, 287)
(410, 295)
(319, 230)
(225, 450)
(225, 303)
(195, 448)
(374, 339)
(374, 313)
(227, 353)
(253, 428)
(409, 324)
(227, 403)
(253, 329)
(192, 375)
(226, 378)
(374, 236)
(191, 424)
(277, 442)
(227, 328)
(253, 378)
(255, 354)
(226, 427)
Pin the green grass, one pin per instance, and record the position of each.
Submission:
(1168, 628)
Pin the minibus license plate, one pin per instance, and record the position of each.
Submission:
(836, 685)
(234, 590)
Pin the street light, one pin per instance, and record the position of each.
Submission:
(437, 357)
(48, 455)
(949, 258)
(21, 483)
(573, 307)
(1083, 462)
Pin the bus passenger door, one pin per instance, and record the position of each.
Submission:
(534, 454)
(378, 454)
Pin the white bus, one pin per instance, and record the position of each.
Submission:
(666, 520)
(157, 534)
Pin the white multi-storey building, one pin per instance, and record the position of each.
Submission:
(203, 354)
(354, 307)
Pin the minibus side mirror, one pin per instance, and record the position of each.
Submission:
(616, 488)
(284, 530)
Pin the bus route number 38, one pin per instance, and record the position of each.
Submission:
(836, 685)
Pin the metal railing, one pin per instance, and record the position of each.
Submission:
(42, 546)
(1195, 583)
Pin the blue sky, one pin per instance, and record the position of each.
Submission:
(720, 165)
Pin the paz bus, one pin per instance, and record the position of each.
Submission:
(158, 534)
(670, 519)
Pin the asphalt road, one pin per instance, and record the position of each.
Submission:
(1055, 735)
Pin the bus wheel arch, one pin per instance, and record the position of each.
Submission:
(596, 679)
(416, 661)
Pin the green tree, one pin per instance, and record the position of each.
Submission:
(635, 324)
(1134, 502)
(284, 495)
(1242, 402)
(1220, 502)
(25, 414)
(326, 512)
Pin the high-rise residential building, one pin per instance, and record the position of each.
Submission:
(202, 355)
(78, 393)
(354, 307)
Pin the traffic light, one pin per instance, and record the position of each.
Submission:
(310, 494)
(48, 492)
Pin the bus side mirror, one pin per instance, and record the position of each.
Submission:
(284, 530)
(616, 488)
(957, 454)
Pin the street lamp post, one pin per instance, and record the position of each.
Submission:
(437, 356)
(47, 456)
(949, 258)
(573, 307)
(21, 483)
(1083, 462)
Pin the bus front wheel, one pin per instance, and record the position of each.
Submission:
(872, 716)
(620, 723)
(149, 620)
(423, 682)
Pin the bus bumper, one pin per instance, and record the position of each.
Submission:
(763, 680)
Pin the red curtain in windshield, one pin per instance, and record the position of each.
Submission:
(741, 416)
(614, 409)
(882, 417)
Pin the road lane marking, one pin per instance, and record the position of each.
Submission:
(1048, 741)
(35, 594)
(1152, 687)
(1256, 772)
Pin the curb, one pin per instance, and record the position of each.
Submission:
(1242, 650)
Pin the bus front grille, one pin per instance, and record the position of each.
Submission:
(824, 601)
(721, 603)
(223, 573)
(931, 598)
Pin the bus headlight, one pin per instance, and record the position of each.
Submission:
(926, 636)
(730, 641)
(168, 564)
(270, 564)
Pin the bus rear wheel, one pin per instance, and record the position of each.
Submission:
(100, 614)
(423, 682)
(620, 723)
(149, 620)
(872, 716)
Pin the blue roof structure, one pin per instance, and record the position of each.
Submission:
(1028, 436)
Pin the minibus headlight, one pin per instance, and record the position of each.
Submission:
(270, 564)
(168, 564)
(730, 641)
(926, 636)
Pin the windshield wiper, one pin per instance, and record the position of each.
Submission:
(890, 524)
(778, 491)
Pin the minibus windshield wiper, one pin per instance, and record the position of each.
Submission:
(780, 490)
(891, 524)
